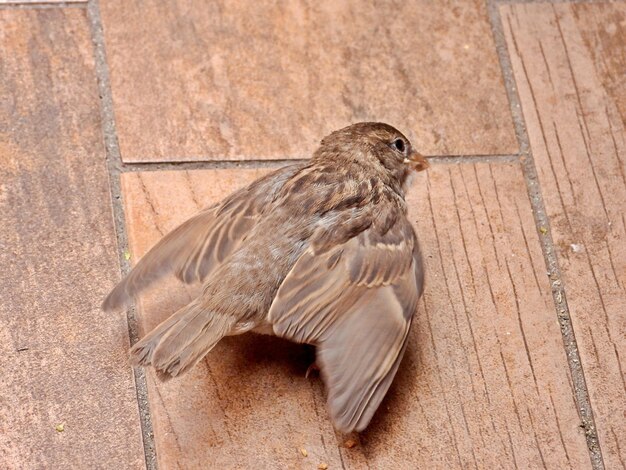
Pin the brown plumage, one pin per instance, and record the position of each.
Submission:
(319, 252)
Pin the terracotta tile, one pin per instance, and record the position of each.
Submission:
(63, 360)
(569, 67)
(248, 80)
(485, 380)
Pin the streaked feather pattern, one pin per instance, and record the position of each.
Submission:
(319, 252)
(355, 302)
(195, 248)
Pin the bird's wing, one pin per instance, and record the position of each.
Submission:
(355, 302)
(192, 250)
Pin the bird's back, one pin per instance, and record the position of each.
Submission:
(245, 284)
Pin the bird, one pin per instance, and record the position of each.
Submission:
(319, 252)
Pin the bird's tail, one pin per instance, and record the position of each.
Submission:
(182, 340)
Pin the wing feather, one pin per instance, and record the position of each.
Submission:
(355, 302)
(194, 249)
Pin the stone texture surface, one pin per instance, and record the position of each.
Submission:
(485, 380)
(63, 360)
(569, 66)
(259, 80)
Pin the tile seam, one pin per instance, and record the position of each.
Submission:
(542, 222)
(42, 5)
(129, 167)
(113, 163)
(513, 2)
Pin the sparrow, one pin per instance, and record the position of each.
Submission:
(320, 252)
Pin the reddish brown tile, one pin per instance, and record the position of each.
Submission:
(569, 65)
(248, 80)
(485, 380)
(64, 362)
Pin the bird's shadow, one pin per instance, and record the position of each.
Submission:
(246, 353)
(256, 356)
(254, 359)
(256, 353)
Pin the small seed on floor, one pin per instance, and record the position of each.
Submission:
(349, 444)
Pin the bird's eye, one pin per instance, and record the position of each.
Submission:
(399, 145)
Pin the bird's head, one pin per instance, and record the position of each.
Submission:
(375, 146)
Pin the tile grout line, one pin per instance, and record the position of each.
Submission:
(42, 5)
(471, 159)
(542, 222)
(130, 167)
(513, 2)
(113, 162)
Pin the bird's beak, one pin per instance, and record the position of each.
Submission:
(417, 161)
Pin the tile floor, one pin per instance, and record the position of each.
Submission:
(120, 119)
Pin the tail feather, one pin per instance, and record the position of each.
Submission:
(182, 340)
